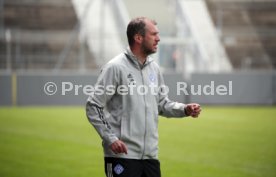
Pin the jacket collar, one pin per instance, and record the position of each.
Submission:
(135, 60)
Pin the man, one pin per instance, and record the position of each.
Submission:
(127, 120)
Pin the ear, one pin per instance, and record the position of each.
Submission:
(138, 38)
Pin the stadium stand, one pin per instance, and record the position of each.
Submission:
(248, 31)
(103, 25)
(44, 34)
(37, 33)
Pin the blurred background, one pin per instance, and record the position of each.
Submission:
(65, 43)
(201, 40)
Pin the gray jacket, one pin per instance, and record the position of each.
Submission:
(130, 115)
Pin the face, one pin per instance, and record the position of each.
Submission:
(151, 39)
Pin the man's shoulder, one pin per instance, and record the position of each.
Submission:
(117, 60)
(154, 65)
(116, 63)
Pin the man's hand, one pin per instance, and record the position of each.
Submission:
(193, 109)
(119, 147)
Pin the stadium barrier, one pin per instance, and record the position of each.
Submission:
(32, 88)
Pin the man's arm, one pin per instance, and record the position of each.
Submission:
(104, 90)
(98, 100)
(170, 108)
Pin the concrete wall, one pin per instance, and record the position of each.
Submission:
(5, 89)
(247, 88)
(31, 89)
(274, 88)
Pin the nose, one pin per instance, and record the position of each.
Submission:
(157, 38)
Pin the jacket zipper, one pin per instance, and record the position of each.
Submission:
(143, 82)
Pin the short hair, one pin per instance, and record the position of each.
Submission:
(137, 26)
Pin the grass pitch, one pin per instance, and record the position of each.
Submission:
(59, 142)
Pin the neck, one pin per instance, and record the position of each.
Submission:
(139, 54)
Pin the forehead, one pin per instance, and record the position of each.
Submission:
(151, 27)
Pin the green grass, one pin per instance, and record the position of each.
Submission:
(59, 142)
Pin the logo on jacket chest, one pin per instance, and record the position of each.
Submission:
(130, 79)
(152, 77)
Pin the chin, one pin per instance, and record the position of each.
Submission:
(152, 52)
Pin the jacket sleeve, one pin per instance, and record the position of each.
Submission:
(166, 107)
(103, 91)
